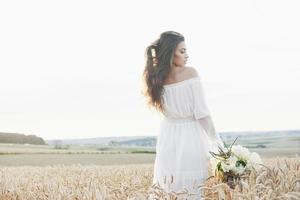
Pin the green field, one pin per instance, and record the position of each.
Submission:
(10, 149)
(270, 146)
(42, 155)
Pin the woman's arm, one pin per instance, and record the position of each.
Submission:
(208, 125)
(202, 114)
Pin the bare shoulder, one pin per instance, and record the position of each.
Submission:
(186, 73)
(190, 72)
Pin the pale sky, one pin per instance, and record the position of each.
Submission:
(73, 69)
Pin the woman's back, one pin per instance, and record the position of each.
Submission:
(184, 98)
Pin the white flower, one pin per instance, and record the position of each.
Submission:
(254, 161)
(239, 169)
(232, 160)
(229, 164)
(241, 152)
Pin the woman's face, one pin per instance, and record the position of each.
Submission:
(180, 55)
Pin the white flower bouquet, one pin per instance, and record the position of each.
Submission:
(230, 164)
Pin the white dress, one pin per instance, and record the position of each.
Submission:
(186, 136)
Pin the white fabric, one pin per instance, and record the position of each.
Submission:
(186, 136)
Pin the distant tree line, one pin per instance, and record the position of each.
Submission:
(18, 138)
(145, 142)
(58, 144)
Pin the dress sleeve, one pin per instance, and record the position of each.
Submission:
(215, 140)
(200, 108)
(202, 114)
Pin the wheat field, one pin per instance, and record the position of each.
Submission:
(278, 179)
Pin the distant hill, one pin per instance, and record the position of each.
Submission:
(151, 140)
(261, 134)
(18, 138)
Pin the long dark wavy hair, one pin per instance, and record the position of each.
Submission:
(159, 58)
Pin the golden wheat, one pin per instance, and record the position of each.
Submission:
(278, 179)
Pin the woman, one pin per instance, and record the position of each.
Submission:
(187, 132)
